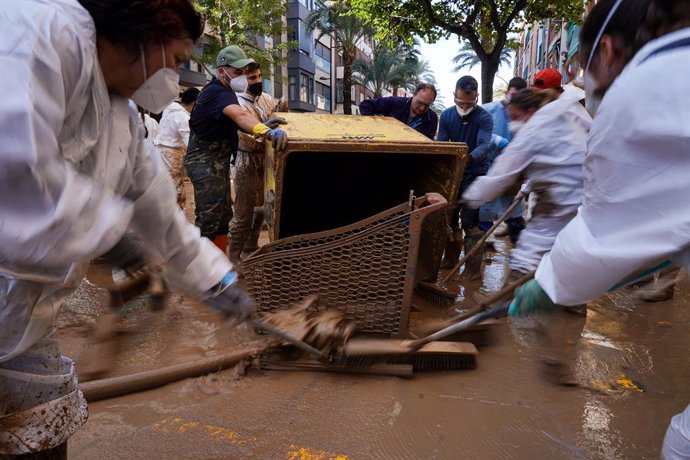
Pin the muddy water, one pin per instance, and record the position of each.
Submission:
(634, 353)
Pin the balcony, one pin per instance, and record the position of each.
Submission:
(322, 64)
(323, 103)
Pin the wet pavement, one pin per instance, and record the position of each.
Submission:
(632, 356)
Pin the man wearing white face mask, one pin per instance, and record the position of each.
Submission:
(215, 120)
(467, 122)
(75, 174)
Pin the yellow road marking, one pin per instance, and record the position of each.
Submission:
(177, 426)
(625, 382)
(305, 453)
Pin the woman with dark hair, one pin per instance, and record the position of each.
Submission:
(636, 207)
(75, 174)
(547, 151)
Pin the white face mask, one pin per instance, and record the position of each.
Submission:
(158, 90)
(464, 113)
(592, 99)
(239, 84)
(515, 125)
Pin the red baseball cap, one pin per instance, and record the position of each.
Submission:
(548, 78)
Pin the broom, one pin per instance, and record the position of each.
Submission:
(427, 353)
(438, 293)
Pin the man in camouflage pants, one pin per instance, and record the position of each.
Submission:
(247, 221)
(208, 167)
(214, 122)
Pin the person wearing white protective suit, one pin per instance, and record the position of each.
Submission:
(636, 206)
(75, 175)
(173, 137)
(548, 151)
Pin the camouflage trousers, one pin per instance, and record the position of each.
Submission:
(174, 160)
(208, 167)
(249, 185)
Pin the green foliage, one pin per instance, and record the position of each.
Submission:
(467, 58)
(484, 24)
(389, 67)
(347, 30)
(240, 22)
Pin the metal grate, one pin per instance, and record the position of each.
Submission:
(366, 270)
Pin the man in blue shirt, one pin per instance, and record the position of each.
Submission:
(466, 122)
(414, 111)
(499, 140)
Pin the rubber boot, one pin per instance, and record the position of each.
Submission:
(473, 266)
(661, 289)
(451, 255)
(515, 226)
(222, 242)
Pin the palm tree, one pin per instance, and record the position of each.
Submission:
(347, 30)
(388, 68)
(467, 58)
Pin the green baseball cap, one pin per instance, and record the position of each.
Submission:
(233, 56)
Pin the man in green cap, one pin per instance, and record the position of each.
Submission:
(214, 122)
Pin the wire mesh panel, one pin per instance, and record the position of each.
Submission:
(366, 269)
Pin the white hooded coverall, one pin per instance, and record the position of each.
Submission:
(75, 173)
(549, 151)
(636, 204)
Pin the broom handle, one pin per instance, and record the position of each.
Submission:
(521, 194)
(479, 317)
(293, 340)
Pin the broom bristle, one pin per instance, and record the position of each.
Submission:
(436, 294)
(434, 356)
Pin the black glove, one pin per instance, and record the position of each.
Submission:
(229, 300)
(470, 160)
(274, 122)
(128, 254)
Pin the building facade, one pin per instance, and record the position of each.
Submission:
(550, 43)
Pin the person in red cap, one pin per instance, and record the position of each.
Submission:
(548, 78)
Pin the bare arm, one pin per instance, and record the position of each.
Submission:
(242, 118)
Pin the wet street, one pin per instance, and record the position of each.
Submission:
(631, 357)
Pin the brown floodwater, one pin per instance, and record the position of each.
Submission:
(631, 356)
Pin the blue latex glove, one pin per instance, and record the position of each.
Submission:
(498, 141)
(229, 300)
(274, 122)
(530, 297)
(278, 138)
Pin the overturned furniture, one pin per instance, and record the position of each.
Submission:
(333, 207)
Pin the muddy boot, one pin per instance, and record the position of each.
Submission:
(515, 227)
(656, 293)
(451, 255)
(661, 289)
(473, 266)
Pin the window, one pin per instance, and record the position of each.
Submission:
(306, 88)
(323, 96)
(293, 29)
(322, 56)
(292, 87)
(339, 90)
(322, 51)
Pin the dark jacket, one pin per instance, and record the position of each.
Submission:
(399, 108)
(474, 130)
